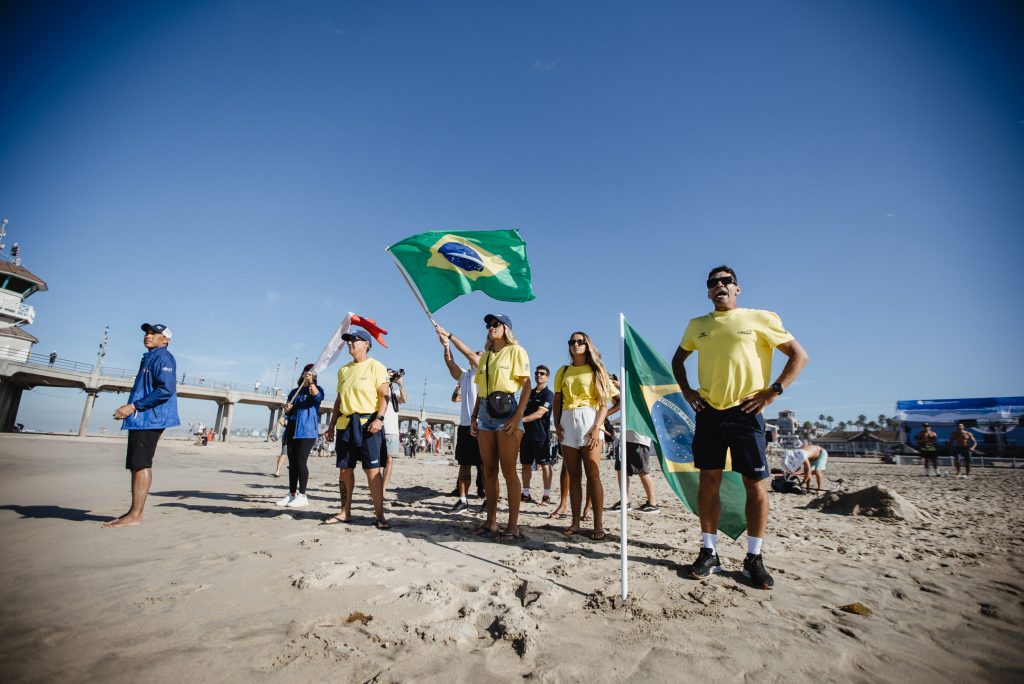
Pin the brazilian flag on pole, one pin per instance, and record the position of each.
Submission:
(441, 266)
(655, 407)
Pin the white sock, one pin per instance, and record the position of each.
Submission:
(463, 499)
(754, 545)
(709, 541)
(526, 491)
(547, 492)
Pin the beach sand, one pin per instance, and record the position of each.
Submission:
(219, 584)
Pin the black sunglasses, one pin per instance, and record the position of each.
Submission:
(494, 324)
(577, 342)
(724, 280)
(540, 373)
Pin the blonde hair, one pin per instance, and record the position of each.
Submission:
(593, 358)
(509, 338)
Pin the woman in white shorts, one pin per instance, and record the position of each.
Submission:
(583, 392)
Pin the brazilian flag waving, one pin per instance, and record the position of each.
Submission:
(655, 408)
(441, 266)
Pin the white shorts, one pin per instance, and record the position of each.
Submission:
(576, 423)
(392, 445)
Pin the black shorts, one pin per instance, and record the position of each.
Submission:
(638, 459)
(962, 455)
(467, 449)
(531, 452)
(734, 430)
(368, 453)
(141, 448)
(929, 454)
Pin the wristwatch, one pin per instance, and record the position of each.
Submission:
(776, 387)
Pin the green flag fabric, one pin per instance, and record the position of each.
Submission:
(441, 266)
(655, 408)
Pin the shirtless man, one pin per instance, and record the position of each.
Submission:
(926, 440)
(963, 445)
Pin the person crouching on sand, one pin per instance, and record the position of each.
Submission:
(303, 410)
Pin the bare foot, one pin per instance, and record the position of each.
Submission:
(123, 521)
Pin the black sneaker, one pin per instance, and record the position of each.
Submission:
(459, 505)
(707, 563)
(618, 506)
(753, 567)
(649, 508)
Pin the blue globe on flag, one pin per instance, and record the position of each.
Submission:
(674, 434)
(461, 256)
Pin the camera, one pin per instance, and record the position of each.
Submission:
(395, 374)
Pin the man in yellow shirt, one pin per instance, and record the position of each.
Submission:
(358, 415)
(734, 365)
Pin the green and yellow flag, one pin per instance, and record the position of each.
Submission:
(655, 408)
(441, 266)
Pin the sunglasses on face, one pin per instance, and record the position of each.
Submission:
(574, 343)
(494, 324)
(724, 280)
(540, 373)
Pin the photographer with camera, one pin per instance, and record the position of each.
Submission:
(391, 446)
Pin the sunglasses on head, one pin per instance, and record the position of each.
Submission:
(580, 342)
(494, 324)
(724, 280)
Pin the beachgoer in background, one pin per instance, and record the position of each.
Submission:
(53, 358)
(927, 443)
(283, 456)
(638, 462)
(535, 445)
(391, 445)
(503, 370)
(152, 408)
(467, 449)
(303, 410)
(806, 461)
(962, 444)
(583, 391)
(358, 420)
(734, 366)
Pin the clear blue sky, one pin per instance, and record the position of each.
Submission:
(236, 169)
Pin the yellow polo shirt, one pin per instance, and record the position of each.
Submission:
(357, 388)
(578, 385)
(502, 371)
(734, 353)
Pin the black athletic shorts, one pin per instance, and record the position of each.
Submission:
(962, 455)
(141, 448)
(638, 459)
(467, 449)
(531, 452)
(733, 429)
(368, 452)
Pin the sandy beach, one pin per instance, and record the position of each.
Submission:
(219, 584)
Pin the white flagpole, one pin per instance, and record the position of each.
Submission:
(623, 391)
(415, 291)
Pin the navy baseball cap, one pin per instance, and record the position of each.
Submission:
(501, 318)
(358, 335)
(158, 328)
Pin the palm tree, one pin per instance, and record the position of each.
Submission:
(821, 417)
(829, 419)
(872, 426)
(862, 420)
(842, 426)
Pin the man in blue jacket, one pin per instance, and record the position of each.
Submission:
(152, 407)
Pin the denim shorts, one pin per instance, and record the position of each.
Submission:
(485, 422)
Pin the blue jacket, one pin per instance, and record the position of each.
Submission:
(305, 413)
(153, 394)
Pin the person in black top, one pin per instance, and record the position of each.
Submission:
(536, 444)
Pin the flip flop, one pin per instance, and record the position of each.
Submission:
(508, 536)
(382, 524)
(569, 532)
(595, 536)
(333, 520)
(484, 532)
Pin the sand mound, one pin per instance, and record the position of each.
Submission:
(876, 502)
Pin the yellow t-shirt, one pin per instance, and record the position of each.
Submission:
(357, 388)
(578, 385)
(504, 370)
(734, 353)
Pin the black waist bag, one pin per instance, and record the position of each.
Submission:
(499, 404)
